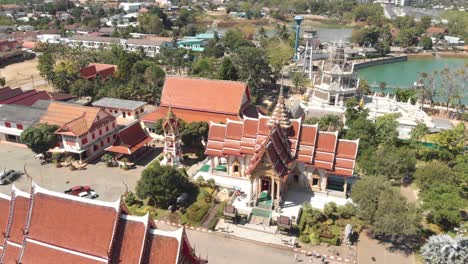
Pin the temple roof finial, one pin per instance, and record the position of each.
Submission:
(280, 114)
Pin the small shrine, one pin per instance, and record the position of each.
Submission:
(172, 148)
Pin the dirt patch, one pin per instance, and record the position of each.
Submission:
(20, 73)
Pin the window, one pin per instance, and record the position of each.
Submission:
(7, 124)
(236, 168)
(114, 136)
(84, 141)
(113, 125)
(102, 144)
(93, 136)
(108, 139)
(315, 182)
(107, 129)
(19, 126)
(100, 132)
(129, 113)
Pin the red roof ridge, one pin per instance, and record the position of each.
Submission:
(142, 219)
(39, 189)
(18, 192)
(201, 78)
(5, 197)
(77, 253)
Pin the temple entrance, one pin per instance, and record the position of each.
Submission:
(265, 185)
(336, 183)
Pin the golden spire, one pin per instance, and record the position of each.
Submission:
(280, 114)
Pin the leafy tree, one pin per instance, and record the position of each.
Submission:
(457, 23)
(443, 201)
(364, 87)
(364, 11)
(407, 37)
(233, 40)
(443, 249)
(387, 129)
(204, 67)
(360, 127)
(150, 23)
(299, 80)
(365, 194)
(40, 138)
(392, 208)
(330, 122)
(278, 54)
(65, 73)
(434, 173)
(453, 139)
(383, 208)
(426, 43)
(253, 66)
(227, 71)
(163, 184)
(331, 210)
(46, 66)
(193, 133)
(214, 49)
(418, 132)
(389, 161)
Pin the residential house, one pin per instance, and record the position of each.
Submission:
(90, 42)
(84, 131)
(130, 7)
(151, 46)
(195, 100)
(126, 109)
(44, 227)
(98, 70)
(14, 119)
(10, 50)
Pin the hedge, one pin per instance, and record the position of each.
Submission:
(197, 211)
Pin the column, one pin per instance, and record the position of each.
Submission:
(326, 183)
(345, 188)
(278, 188)
(212, 164)
(251, 188)
(272, 188)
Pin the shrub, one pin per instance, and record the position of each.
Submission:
(211, 183)
(130, 199)
(331, 241)
(197, 211)
(213, 223)
(305, 239)
(200, 180)
(346, 211)
(107, 159)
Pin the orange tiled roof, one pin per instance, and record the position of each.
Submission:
(61, 228)
(301, 143)
(204, 95)
(72, 119)
(130, 139)
(188, 116)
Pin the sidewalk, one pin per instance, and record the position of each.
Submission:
(250, 234)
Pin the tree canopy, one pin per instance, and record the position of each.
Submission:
(40, 138)
(163, 184)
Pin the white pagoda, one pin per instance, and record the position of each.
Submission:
(335, 81)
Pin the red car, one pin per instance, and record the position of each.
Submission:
(78, 189)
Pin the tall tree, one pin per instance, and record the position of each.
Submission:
(163, 184)
(46, 66)
(443, 249)
(227, 71)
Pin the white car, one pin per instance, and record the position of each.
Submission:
(6, 176)
(83, 194)
(91, 194)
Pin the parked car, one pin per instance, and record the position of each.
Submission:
(7, 176)
(91, 194)
(77, 190)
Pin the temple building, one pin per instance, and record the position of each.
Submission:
(270, 157)
(202, 100)
(46, 227)
(335, 81)
(172, 152)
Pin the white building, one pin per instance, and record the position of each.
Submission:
(14, 119)
(130, 7)
(409, 115)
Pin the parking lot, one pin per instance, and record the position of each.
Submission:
(109, 183)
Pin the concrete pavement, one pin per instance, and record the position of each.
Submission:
(107, 182)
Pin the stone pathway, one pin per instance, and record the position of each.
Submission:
(211, 215)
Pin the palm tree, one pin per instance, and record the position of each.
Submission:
(282, 32)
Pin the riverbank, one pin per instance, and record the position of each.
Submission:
(361, 64)
(451, 54)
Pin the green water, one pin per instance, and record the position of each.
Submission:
(404, 74)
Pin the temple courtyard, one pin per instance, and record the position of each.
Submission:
(109, 183)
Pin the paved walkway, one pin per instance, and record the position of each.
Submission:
(371, 251)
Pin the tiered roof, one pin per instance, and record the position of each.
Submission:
(130, 139)
(47, 227)
(194, 99)
(300, 142)
(17, 96)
